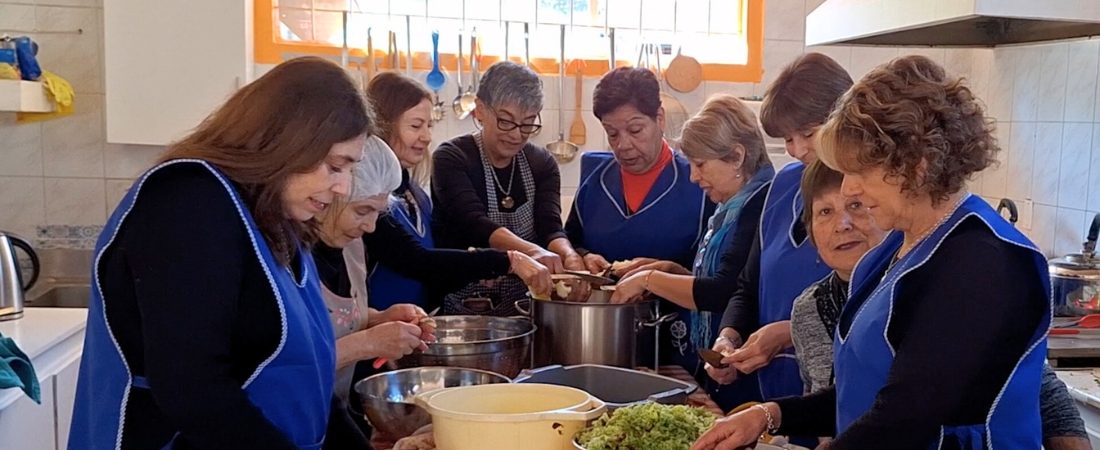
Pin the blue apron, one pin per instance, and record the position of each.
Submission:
(721, 228)
(293, 386)
(387, 287)
(668, 226)
(864, 356)
(787, 268)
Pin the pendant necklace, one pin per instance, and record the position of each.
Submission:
(507, 202)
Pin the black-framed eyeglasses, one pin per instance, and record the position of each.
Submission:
(506, 125)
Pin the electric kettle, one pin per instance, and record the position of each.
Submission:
(12, 285)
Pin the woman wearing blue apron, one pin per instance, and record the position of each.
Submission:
(363, 332)
(638, 201)
(403, 262)
(755, 327)
(493, 188)
(206, 328)
(943, 339)
(729, 162)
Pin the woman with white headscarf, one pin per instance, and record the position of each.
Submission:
(362, 332)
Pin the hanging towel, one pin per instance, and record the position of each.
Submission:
(16, 370)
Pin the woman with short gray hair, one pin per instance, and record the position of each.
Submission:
(493, 188)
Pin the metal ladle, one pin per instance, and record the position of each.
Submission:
(468, 99)
(456, 105)
(563, 151)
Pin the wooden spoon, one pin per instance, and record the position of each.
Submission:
(577, 131)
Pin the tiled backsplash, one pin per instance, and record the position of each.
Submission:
(61, 172)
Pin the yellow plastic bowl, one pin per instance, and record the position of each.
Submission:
(509, 416)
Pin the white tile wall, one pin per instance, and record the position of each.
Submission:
(1045, 99)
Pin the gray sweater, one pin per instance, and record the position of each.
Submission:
(813, 346)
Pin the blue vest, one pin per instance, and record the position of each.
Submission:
(387, 287)
(864, 356)
(787, 268)
(293, 386)
(669, 225)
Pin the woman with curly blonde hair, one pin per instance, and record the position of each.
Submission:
(943, 339)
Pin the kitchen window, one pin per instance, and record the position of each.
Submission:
(726, 36)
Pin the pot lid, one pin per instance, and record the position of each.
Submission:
(1076, 265)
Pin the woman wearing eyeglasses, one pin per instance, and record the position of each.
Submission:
(493, 188)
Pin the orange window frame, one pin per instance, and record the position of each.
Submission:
(269, 49)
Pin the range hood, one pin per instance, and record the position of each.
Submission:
(950, 23)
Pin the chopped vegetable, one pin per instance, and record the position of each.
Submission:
(649, 426)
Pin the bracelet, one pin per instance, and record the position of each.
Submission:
(647, 275)
(767, 416)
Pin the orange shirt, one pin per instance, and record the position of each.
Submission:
(636, 187)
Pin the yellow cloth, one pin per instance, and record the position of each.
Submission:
(8, 72)
(60, 92)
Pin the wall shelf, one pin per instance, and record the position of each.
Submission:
(24, 96)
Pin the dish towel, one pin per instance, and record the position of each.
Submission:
(60, 93)
(16, 370)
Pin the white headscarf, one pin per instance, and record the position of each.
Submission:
(378, 173)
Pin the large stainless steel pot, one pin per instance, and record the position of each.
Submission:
(571, 333)
(1075, 278)
(496, 344)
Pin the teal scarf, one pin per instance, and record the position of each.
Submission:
(721, 228)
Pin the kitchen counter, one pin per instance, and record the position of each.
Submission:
(1085, 389)
(52, 338)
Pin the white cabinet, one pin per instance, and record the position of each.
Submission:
(64, 384)
(169, 63)
(26, 425)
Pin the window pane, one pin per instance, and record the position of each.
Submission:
(688, 14)
(332, 5)
(553, 11)
(370, 6)
(407, 7)
(519, 11)
(586, 42)
(623, 13)
(296, 24)
(585, 15)
(658, 15)
(445, 8)
(329, 27)
(725, 16)
(286, 4)
(484, 9)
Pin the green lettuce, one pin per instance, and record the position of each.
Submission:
(649, 426)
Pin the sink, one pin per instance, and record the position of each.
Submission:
(76, 296)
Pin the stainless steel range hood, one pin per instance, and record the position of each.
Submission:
(952, 23)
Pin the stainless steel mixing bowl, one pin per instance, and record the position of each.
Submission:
(497, 344)
(387, 398)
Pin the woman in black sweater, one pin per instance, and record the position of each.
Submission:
(207, 305)
(495, 189)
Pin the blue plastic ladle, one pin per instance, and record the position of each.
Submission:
(435, 78)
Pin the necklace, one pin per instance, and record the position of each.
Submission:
(507, 202)
(906, 248)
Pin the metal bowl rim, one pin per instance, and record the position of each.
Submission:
(421, 369)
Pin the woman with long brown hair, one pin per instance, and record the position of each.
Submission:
(206, 328)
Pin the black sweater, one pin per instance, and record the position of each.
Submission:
(960, 323)
(460, 218)
(193, 312)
